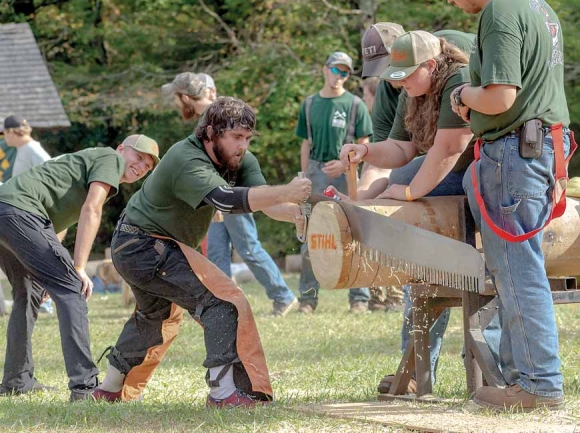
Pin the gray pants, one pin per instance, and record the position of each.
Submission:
(160, 275)
(33, 259)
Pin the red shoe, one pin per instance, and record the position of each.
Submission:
(238, 399)
(111, 397)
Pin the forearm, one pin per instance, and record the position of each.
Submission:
(283, 212)
(89, 222)
(386, 154)
(490, 100)
(437, 165)
(304, 155)
(264, 197)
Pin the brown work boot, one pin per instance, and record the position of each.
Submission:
(359, 307)
(513, 397)
(306, 308)
(376, 306)
(386, 382)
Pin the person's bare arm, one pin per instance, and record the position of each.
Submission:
(491, 100)
(286, 212)
(89, 222)
(373, 181)
(263, 197)
(384, 154)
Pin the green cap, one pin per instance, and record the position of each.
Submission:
(142, 143)
(409, 51)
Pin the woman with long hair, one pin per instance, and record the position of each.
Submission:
(429, 69)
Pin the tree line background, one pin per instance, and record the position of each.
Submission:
(109, 58)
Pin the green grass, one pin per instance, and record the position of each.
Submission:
(331, 356)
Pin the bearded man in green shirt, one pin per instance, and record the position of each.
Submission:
(34, 207)
(152, 249)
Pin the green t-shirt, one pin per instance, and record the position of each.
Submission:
(57, 189)
(386, 98)
(7, 157)
(384, 110)
(329, 122)
(170, 202)
(520, 43)
(447, 118)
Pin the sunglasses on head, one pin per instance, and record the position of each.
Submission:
(337, 71)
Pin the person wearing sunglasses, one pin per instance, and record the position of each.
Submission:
(327, 120)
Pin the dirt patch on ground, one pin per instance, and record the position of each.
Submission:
(441, 418)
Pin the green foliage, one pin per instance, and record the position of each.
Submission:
(110, 57)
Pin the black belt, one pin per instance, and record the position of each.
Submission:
(133, 230)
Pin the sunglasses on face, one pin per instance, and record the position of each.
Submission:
(337, 71)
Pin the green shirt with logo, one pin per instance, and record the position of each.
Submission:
(57, 189)
(519, 43)
(387, 96)
(447, 118)
(170, 202)
(329, 122)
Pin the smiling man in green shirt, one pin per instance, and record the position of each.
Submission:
(34, 207)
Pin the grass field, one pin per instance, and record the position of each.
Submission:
(331, 356)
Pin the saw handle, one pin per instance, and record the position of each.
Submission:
(305, 209)
(351, 177)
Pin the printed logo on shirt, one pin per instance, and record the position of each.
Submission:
(553, 27)
(339, 119)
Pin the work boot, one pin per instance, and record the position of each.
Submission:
(37, 387)
(281, 310)
(386, 382)
(513, 397)
(359, 307)
(237, 399)
(306, 308)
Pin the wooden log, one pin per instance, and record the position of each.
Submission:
(338, 263)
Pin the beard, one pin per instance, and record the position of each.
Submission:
(232, 163)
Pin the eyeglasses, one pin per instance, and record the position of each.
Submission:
(337, 71)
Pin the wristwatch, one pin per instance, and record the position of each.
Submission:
(457, 97)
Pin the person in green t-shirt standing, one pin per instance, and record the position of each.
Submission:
(153, 251)
(517, 106)
(36, 208)
(327, 120)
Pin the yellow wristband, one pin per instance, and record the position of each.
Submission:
(79, 268)
(408, 193)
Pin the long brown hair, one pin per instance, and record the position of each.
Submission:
(423, 111)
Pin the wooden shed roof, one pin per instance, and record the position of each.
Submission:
(26, 88)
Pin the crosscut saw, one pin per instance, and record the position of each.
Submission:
(422, 255)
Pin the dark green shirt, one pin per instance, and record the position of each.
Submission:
(519, 43)
(463, 41)
(57, 189)
(170, 203)
(447, 118)
(329, 122)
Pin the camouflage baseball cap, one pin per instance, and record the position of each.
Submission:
(376, 47)
(188, 83)
(409, 51)
(142, 143)
(340, 58)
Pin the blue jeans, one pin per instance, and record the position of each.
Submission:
(240, 230)
(450, 185)
(309, 285)
(517, 194)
